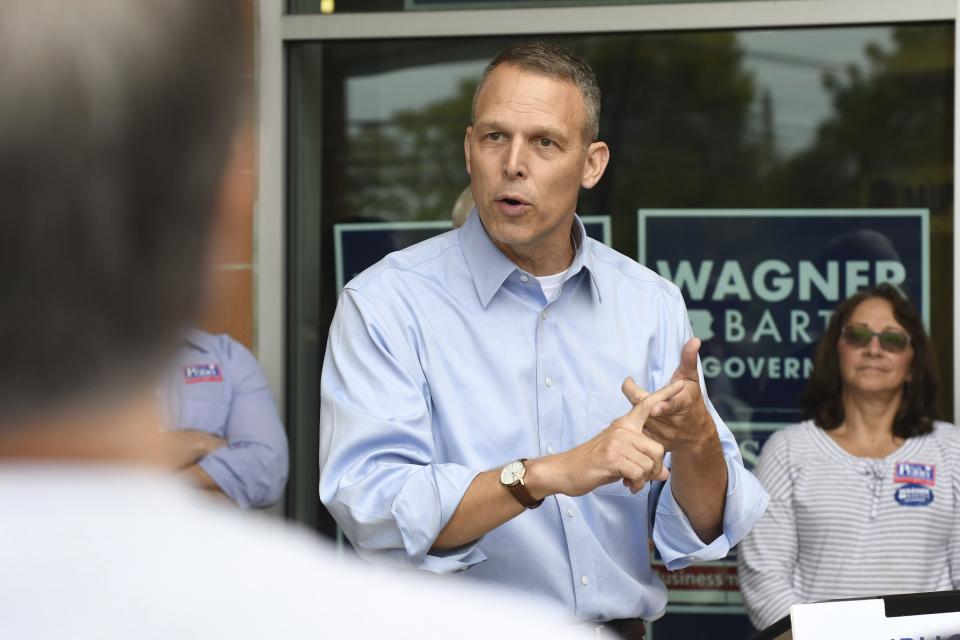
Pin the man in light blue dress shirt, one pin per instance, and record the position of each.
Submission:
(485, 403)
(225, 432)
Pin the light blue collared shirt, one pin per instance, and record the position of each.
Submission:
(217, 386)
(445, 360)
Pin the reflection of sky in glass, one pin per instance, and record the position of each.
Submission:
(377, 97)
(789, 64)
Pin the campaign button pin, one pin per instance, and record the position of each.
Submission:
(915, 473)
(914, 495)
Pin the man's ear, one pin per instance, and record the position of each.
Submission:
(598, 155)
(466, 147)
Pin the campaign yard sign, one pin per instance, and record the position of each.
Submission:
(760, 286)
(358, 245)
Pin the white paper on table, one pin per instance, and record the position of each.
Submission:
(867, 620)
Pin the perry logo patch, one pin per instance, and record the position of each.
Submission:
(915, 473)
(913, 495)
(202, 373)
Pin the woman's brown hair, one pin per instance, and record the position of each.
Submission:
(919, 407)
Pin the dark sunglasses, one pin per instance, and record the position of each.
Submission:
(890, 340)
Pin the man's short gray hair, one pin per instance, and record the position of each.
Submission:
(117, 121)
(553, 61)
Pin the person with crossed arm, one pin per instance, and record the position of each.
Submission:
(224, 428)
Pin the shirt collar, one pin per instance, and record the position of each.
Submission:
(489, 267)
(197, 339)
(584, 258)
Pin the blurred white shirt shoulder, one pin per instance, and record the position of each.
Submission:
(98, 551)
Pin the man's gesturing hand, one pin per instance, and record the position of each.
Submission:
(620, 452)
(680, 422)
(683, 426)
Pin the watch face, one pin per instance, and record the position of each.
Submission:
(512, 473)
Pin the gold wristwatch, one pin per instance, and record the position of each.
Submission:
(511, 477)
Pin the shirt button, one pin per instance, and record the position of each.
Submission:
(584, 580)
(523, 278)
(544, 315)
(550, 449)
(548, 381)
(571, 514)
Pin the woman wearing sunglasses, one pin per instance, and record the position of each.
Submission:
(864, 494)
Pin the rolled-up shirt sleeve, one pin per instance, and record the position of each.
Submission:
(378, 474)
(675, 538)
(252, 469)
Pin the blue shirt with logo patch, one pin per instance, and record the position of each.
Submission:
(217, 386)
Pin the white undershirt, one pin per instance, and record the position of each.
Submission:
(551, 285)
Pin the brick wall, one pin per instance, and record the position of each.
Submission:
(230, 301)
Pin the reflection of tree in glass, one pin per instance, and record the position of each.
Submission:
(687, 128)
(411, 167)
(677, 114)
(889, 141)
(676, 111)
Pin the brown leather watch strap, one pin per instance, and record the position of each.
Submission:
(522, 494)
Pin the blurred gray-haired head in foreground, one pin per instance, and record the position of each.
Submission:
(117, 119)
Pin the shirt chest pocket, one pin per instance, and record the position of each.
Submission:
(603, 407)
(205, 415)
